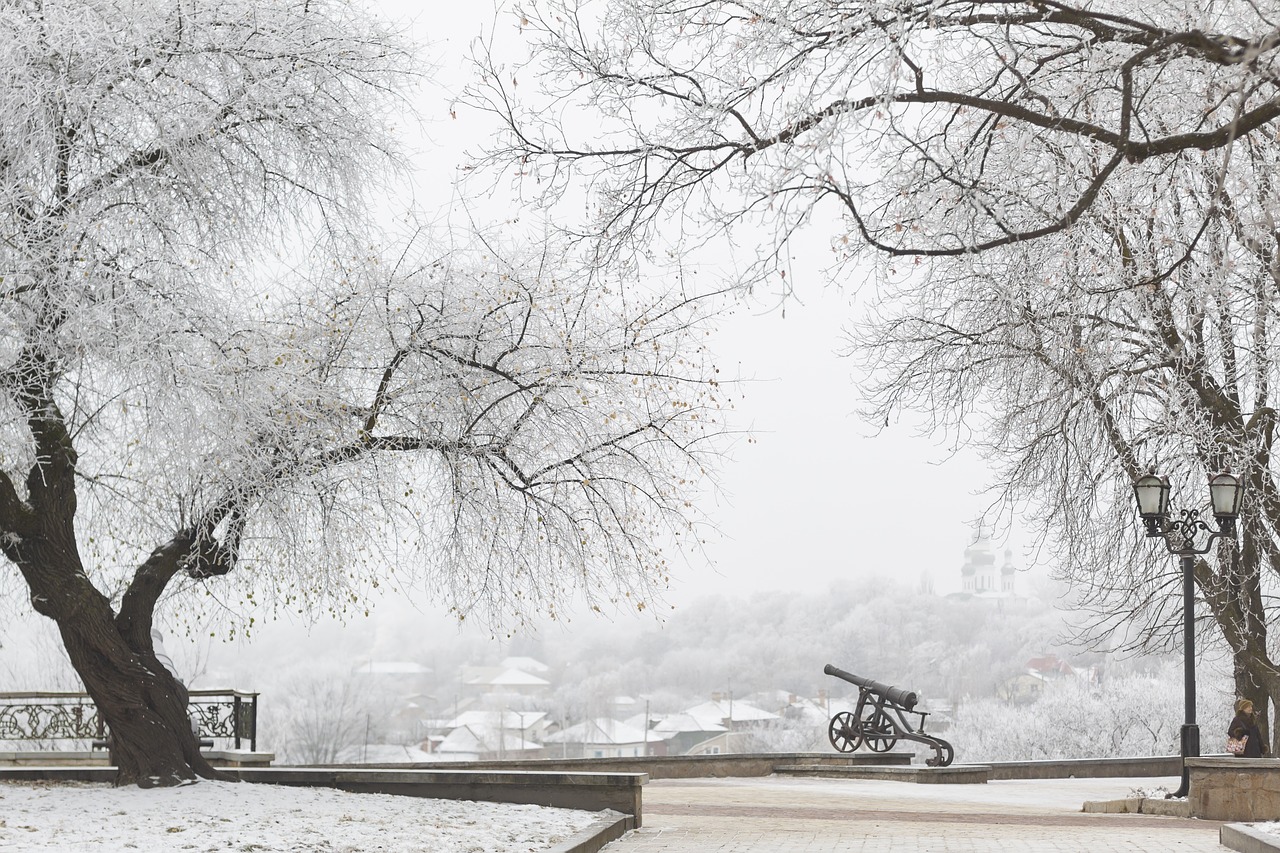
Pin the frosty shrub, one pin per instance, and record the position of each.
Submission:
(1129, 715)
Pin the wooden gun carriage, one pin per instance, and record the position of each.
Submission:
(880, 720)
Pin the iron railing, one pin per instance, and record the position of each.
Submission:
(225, 714)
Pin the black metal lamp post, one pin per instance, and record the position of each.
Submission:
(1180, 533)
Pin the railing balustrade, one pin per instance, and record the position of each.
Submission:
(44, 716)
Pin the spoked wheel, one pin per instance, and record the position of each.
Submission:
(878, 731)
(944, 755)
(844, 732)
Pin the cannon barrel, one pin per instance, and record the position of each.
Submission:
(905, 698)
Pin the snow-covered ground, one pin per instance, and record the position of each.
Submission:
(222, 816)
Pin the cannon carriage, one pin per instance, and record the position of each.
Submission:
(880, 720)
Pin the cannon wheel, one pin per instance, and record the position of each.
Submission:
(844, 732)
(878, 731)
(944, 755)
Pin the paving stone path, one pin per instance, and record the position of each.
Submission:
(797, 815)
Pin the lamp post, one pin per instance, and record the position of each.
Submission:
(1181, 532)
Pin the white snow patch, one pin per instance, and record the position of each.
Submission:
(1270, 827)
(228, 816)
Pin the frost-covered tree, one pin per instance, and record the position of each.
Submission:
(196, 410)
(1127, 715)
(1070, 209)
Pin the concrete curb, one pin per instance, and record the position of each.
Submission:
(1140, 805)
(1245, 839)
(609, 827)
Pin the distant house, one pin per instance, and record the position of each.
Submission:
(795, 708)
(683, 731)
(600, 737)
(525, 664)
(734, 716)
(401, 677)
(1049, 667)
(478, 743)
(1020, 688)
(721, 744)
(491, 679)
(392, 667)
(1038, 673)
(531, 725)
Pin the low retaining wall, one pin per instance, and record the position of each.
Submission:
(956, 774)
(1087, 768)
(591, 792)
(1235, 789)
(669, 766)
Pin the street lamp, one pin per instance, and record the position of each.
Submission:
(1181, 531)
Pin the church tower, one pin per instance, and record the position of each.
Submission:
(980, 574)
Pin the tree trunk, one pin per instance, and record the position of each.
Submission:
(144, 706)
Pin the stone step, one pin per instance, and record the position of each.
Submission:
(956, 774)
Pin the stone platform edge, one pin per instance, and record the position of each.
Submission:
(585, 791)
(669, 766)
(610, 826)
(955, 774)
(1245, 839)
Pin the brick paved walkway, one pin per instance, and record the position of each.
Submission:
(796, 815)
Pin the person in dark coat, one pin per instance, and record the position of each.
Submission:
(1245, 725)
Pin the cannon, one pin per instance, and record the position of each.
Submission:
(880, 720)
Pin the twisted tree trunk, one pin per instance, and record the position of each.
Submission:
(142, 703)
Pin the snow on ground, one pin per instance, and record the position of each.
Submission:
(255, 818)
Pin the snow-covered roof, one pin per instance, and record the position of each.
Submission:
(478, 739)
(524, 664)
(392, 667)
(1050, 665)
(601, 730)
(687, 723)
(736, 712)
(509, 678)
(515, 720)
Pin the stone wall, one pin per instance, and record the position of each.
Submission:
(1235, 789)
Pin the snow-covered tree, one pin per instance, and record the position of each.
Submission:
(216, 388)
(1070, 208)
(1128, 715)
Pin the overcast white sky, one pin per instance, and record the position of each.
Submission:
(816, 497)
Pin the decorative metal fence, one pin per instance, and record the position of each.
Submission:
(230, 715)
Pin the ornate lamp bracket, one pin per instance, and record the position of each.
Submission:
(1182, 529)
